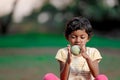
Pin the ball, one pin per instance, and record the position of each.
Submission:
(75, 49)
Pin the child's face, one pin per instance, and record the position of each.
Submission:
(78, 37)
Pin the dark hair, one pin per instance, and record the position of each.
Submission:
(78, 23)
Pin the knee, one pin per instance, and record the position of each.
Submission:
(101, 77)
(50, 76)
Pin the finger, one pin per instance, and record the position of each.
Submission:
(83, 48)
(68, 47)
(69, 54)
(83, 45)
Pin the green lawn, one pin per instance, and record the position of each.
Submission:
(110, 65)
(51, 40)
(14, 66)
(33, 67)
(27, 67)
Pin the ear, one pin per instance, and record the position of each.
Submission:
(88, 39)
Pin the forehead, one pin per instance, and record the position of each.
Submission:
(79, 32)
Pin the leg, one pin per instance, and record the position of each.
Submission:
(101, 77)
(50, 76)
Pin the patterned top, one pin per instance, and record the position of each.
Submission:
(79, 69)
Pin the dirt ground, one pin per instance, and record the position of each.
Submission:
(35, 51)
(36, 72)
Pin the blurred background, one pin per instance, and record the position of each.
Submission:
(31, 32)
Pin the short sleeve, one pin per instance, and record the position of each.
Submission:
(61, 55)
(96, 55)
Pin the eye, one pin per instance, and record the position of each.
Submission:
(82, 37)
(72, 36)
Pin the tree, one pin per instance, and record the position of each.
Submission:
(6, 20)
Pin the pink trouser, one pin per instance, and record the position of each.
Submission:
(51, 76)
(101, 77)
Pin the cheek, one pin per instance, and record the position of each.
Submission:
(85, 41)
(71, 41)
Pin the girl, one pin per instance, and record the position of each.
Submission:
(84, 66)
(51, 76)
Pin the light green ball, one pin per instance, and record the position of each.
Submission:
(75, 49)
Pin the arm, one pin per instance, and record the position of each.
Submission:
(64, 70)
(93, 65)
(64, 67)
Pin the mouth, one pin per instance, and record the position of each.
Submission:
(78, 44)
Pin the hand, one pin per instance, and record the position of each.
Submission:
(69, 54)
(83, 51)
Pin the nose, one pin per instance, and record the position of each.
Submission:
(78, 40)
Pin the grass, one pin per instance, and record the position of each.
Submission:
(33, 67)
(27, 67)
(50, 40)
(110, 66)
